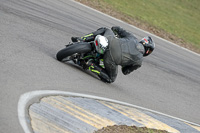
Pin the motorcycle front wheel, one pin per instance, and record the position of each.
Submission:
(79, 47)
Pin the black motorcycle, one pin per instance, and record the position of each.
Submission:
(80, 53)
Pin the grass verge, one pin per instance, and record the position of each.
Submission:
(173, 20)
(128, 129)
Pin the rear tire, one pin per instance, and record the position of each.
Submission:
(80, 47)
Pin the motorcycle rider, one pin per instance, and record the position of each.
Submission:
(124, 50)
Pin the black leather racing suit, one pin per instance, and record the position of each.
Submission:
(124, 51)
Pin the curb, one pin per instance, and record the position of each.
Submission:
(89, 107)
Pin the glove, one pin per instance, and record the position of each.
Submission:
(120, 32)
(115, 28)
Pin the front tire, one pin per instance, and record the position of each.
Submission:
(79, 47)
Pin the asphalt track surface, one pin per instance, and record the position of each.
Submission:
(31, 33)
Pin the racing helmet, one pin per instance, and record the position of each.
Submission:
(148, 44)
(101, 43)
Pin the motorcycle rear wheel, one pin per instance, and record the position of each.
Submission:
(80, 47)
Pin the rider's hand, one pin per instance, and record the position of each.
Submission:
(115, 28)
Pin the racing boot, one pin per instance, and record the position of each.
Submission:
(99, 71)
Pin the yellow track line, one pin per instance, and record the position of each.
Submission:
(195, 127)
(84, 115)
(41, 124)
(87, 113)
(140, 117)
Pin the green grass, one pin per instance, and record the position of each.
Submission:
(178, 17)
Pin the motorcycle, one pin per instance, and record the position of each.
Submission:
(80, 53)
